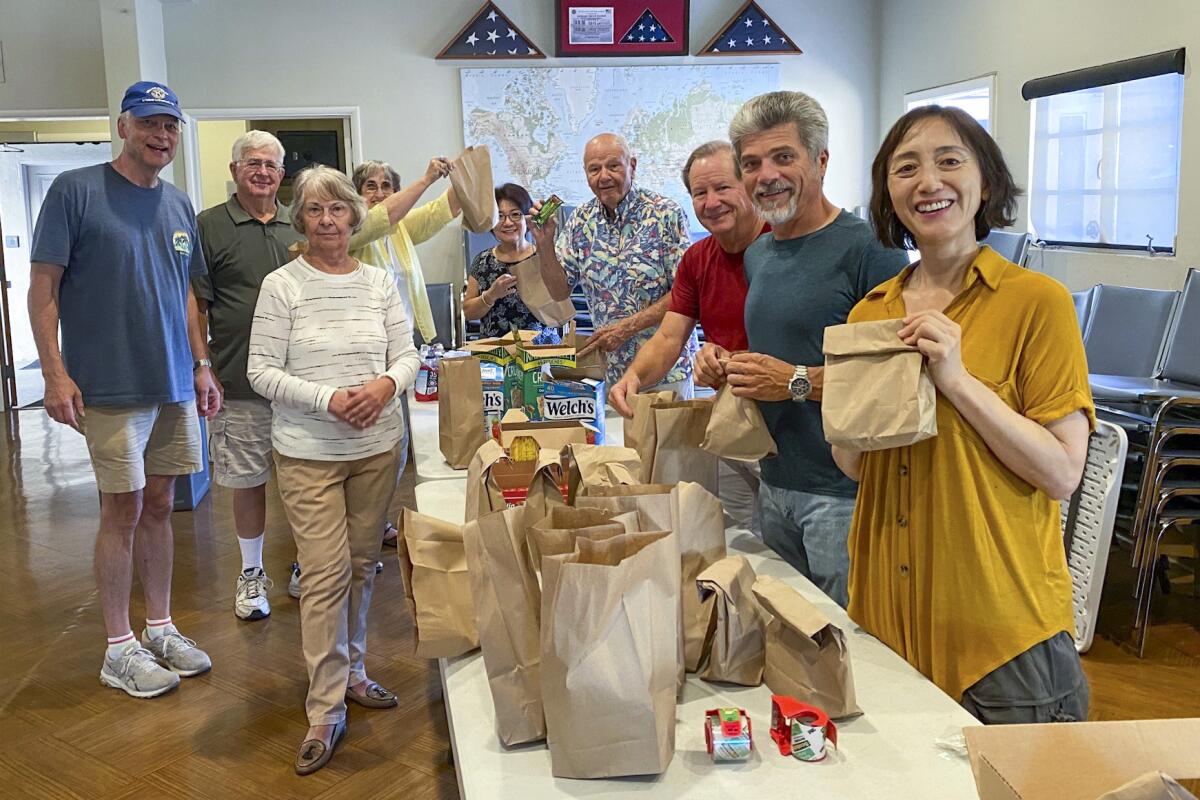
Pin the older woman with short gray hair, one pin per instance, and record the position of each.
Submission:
(332, 349)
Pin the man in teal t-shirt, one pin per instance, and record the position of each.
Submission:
(806, 274)
(113, 254)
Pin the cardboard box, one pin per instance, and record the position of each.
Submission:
(491, 377)
(549, 435)
(581, 399)
(1078, 760)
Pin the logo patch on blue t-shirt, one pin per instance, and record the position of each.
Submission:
(182, 242)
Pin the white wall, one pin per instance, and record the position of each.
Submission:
(928, 43)
(378, 55)
(53, 59)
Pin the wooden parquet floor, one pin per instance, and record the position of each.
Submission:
(233, 732)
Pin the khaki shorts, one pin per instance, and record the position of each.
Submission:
(239, 444)
(127, 443)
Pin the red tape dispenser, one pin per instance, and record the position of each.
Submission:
(800, 730)
(728, 734)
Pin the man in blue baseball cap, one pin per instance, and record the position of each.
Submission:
(114, 254)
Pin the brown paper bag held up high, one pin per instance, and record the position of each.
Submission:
(877, 392)
(555, 534)
(667, 436)
(433, 567)
(460, 410)
(609, 638)
(737, 651)
(806, 653)
(471, 178)
(507, 609)
(697, 518)
(537, 297)
(736, 429)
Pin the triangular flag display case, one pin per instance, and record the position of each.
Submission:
(490, 35)
(750, 32)
(625, 28)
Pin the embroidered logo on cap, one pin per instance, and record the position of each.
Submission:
(157, 92)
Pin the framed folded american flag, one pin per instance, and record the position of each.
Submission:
(621, 28)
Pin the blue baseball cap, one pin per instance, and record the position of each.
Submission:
(147, 98)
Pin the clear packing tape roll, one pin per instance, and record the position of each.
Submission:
(800, 730)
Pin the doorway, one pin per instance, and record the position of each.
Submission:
(30, 160)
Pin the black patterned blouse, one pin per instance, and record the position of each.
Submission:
(509, 312)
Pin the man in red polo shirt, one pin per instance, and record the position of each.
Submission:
(710, 287)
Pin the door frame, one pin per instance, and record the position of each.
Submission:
(8, 381)
(350, 115)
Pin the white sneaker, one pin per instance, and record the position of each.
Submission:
(250, 601)
(136, 672)
(294, 581)
(177, 652)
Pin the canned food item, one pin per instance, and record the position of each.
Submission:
(550, 207)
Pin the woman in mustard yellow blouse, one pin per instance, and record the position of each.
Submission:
(956, 558)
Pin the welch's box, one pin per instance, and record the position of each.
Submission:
(491, 376)
(566, 395)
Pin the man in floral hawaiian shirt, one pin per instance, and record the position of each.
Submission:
(622, 249)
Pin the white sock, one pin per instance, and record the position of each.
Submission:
(251, 552)
(155, 628)
(117, 645)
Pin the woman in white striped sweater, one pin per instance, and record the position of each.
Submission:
(332, 349)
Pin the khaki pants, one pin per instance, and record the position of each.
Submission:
(336, 510)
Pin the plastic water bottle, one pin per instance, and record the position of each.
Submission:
(426, 388)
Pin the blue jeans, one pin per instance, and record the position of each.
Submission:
(809, 531)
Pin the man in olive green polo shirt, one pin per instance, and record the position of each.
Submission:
(245, 239)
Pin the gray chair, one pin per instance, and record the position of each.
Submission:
(1083, 306)
(1013, 246)
(1179, 375)
(441, 303)
(1126, 329)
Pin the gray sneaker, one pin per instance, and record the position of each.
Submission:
(250, 600)
(137, 673)
(178, 653)
(294, 581)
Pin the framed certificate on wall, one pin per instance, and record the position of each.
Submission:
(621, 28)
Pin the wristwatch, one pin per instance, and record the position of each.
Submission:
(800, 386)
(203, 362)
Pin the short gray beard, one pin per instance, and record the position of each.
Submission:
(777, 215)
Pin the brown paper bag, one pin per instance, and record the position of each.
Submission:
(490, 473)
(806, 653)
(460, 410)
(1151, 786)
(736, 429)
(738, 646)
(433, 567)
(483, 496)
(555, 534)
(537, 297)
(640, 432)
(698, 520)
(877, 392)
(679, 428)
(507, 609)
(601, 465)
(471, 178)
(609, 637)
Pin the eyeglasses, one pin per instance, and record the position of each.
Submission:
(170, 126)
(255, 164)
(336, 210)
(512, 216)
(385, 186)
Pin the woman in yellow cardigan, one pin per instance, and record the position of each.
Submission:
(393, 247)
(396, 252)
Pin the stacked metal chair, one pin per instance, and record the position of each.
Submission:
(1160, 411)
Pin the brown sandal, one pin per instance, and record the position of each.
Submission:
(374, 697)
